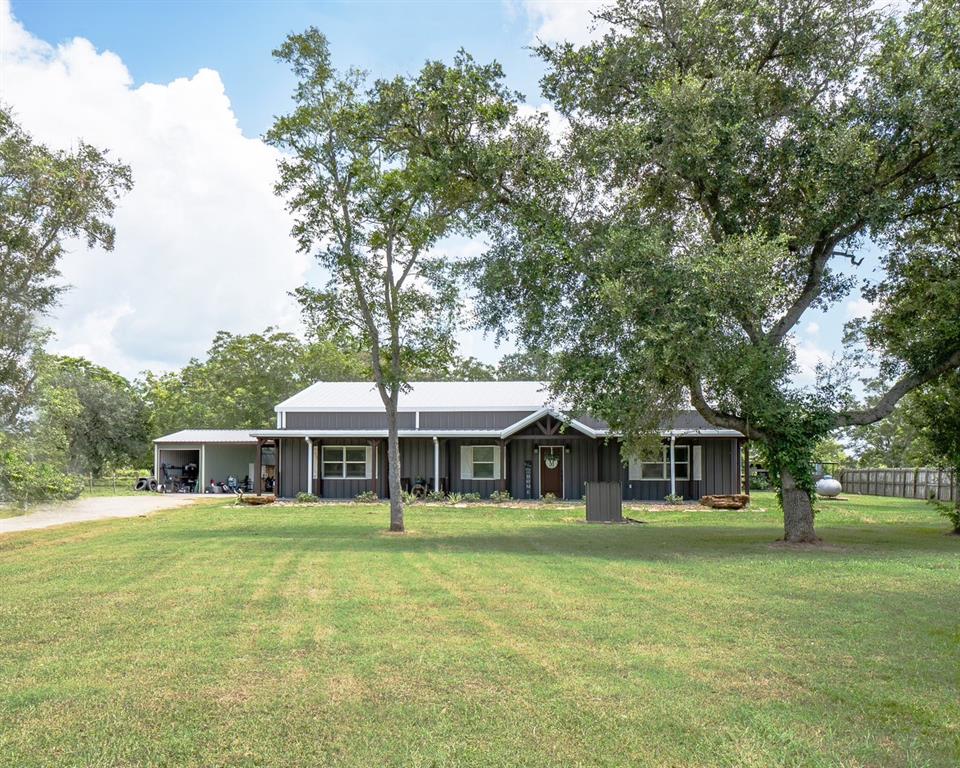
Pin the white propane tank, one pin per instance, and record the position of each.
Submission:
(827, 486)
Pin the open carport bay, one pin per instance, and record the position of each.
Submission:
(217, 453)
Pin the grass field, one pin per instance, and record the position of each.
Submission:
(216, 636)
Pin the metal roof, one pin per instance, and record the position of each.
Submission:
(237, 436)
(423, 396)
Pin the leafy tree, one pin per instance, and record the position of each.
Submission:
(896, 441)
(721, 159)
(457, 369)
(371, 204)
(109, 425)
(531, 365)
(938, 405)
(242, 378)
(46, 197)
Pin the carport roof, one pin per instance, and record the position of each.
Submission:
(235, 436)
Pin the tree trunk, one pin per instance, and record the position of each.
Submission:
(797, 511)
(393, 472)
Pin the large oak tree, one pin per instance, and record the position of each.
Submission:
(721, 159)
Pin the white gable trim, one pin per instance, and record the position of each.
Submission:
(534, 417)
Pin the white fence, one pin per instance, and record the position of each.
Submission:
(905, 483)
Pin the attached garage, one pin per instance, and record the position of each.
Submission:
(207, 454)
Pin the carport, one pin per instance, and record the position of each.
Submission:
(218, 454)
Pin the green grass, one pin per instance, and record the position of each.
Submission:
(216, 636)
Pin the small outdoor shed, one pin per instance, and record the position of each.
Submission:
(218, 453)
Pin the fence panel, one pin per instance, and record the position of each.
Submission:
(902, 482)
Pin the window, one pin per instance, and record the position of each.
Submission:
(346, 461)
(660, 470)
(479, 462)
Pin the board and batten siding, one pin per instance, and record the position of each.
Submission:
(346, 420)
(441, 420)
(719, 474)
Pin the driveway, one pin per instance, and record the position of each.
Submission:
(93, 508)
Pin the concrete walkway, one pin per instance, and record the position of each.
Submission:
(93, 508)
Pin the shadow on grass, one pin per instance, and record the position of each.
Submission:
(653, 542)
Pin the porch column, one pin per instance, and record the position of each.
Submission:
(258, 468)
(673, 466)
(156, 460)
(436, 463)
(309, 464)
(503, 465)
(201, 483)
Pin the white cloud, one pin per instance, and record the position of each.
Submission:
(554, 21)
(202, 242)
(812, 329)
(556, 123)
(859, 307)
(808, 356)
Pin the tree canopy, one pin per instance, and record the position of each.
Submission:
(46, 197)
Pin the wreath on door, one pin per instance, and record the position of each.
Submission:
(551, 460)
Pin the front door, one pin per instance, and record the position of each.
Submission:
(551, 470)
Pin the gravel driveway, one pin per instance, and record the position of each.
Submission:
(93, 508)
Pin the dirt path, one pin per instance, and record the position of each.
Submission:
(94, 508)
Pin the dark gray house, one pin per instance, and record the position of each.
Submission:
(478, 437)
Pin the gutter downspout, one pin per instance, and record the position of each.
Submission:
(673, 466)
(436, 462)
(309, 464)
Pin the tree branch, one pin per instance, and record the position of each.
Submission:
(886, 403)
(718, 418)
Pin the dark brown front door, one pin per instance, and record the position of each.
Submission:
(551, 470)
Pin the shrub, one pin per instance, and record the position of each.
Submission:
(471, 497)
(23, 481)
(366, 497)
(306, 498)
(409, 498)
(673, 498)
(436, 496)
(548, 497)
(499, 496)
(949, 511)
(455, 498)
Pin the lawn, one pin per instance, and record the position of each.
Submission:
(215, 636)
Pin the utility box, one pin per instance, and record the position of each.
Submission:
(604, 503)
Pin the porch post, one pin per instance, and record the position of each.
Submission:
(503, 465)
(673, 466)
(257, 468)
(309, 464)
(156, 460)
(436, 463)
(201, 483)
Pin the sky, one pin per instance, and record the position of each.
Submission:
(182, 92)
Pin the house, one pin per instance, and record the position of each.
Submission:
(463, 437)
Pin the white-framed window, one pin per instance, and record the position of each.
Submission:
(346, 462)
(660, 470)
(479, 462)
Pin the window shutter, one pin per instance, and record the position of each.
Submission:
(496, 462)
(466, 462)
(697, 462)
(634, 473)
(369, 461)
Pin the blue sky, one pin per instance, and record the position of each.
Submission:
(160, 41)
(182, 91)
